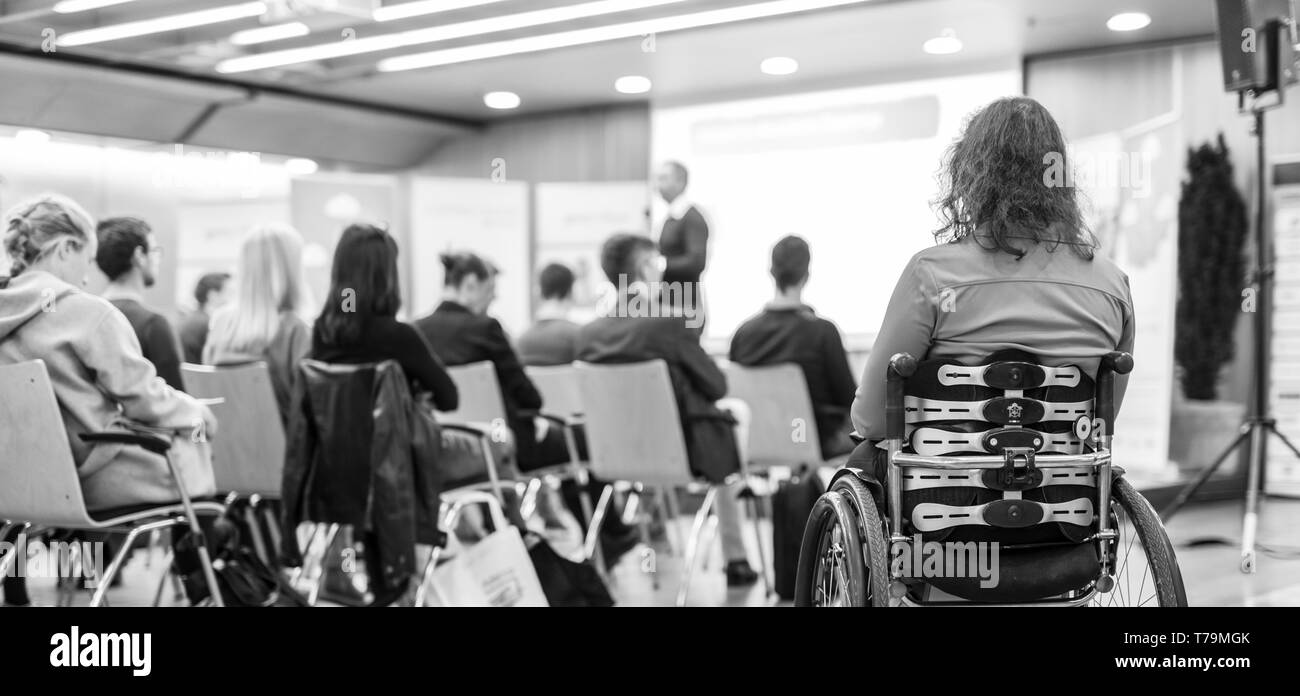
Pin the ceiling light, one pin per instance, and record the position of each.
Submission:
(32, 136)
(300, 166)
(72, 6)
(501, 100)
(388, 13)
(414, 37)
(275, 32)
(946, 43)
(779, 65)
(1128, 21)
(632, 84)
(578, 37)
(158, 25)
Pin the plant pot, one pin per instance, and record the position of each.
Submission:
(1200, 430)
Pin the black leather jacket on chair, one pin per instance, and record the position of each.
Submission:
(360, 452)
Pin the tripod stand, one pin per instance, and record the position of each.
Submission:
(1259, 424)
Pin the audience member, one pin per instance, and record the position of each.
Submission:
(789, 331)
(262, 322)
(359, 325)
(697, 381)
(128, 255)
(209, 294)
(552, 340)
(1018, 271)
(100, 378)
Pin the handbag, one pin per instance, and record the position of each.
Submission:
(566, 583)
(497, 572)
(711, 446)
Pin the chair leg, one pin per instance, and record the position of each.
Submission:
(301, 571)
(101, 588)
(692, 543)
(8, 559)
(591, 544)
(259, 546)
(205, 559)
(331, 532)
(751, 510)
(427, 576)
(166, 575)
(678, 540)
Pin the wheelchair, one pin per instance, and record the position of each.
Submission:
(1010, 459)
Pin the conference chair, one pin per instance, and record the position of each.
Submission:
(480, 414)
(248, 460)
(640, 440)
(41, 489)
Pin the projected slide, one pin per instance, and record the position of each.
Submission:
(852, 171)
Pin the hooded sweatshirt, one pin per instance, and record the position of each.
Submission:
(101, 381)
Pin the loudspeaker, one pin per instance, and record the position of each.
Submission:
(1256, 39)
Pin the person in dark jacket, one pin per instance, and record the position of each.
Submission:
(684, 237)
(209, 296)
(789, 331)
(552, 339)
(358, 324)
(461, 332)
(128, 254)
(698, 382)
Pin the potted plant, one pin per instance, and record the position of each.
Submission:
(1212, 228)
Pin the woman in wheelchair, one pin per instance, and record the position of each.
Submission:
(997, 440)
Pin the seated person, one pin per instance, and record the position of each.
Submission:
(461, 332)
(625, 337)
(789, 331)
(210, 294)
(262, 322)
(359, 325)
(128, 254)
(552, 340)
(1019, 269)
(100, 378)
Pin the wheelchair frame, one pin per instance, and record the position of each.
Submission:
(903, 365)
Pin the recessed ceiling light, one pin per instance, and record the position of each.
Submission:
(632, 84)
(779, 65)
(300, 166)
(275, 32)
(31, 135)
(501, 100)
(1128, 21)
(946, 43)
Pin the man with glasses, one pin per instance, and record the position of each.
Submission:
(129, 255)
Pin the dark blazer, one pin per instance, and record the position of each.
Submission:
(684, 243)
(460, 337)
(697, 380)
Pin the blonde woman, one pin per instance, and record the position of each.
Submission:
(262, 322)
(100, 378)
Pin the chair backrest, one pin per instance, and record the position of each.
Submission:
(783, 425)
(558, 385)
(38, 477)
(248, 451)
(632, 425)
(480, 394)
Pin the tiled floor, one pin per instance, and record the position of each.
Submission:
(1210, 570)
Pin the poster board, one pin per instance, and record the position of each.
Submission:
(487, 217)
(573, 220)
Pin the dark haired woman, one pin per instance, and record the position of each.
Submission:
(1018, 271)
(359, 325)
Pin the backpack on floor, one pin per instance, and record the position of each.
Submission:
(791, 505)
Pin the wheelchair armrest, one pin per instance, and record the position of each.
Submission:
(467, 428)
(152, 443)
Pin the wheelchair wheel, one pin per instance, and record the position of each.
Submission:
(843, 560)
(1145, 569)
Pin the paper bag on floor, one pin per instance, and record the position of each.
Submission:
(495, 572)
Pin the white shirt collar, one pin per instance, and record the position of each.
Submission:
(677, 209)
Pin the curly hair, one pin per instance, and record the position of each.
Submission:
(994, 180)
(32, 227)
